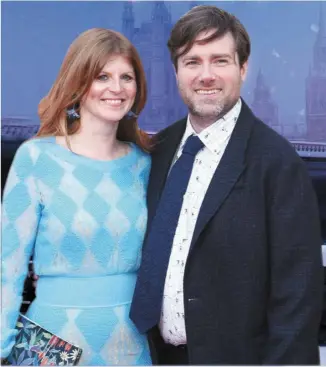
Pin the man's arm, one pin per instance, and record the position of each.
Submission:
(296, 273)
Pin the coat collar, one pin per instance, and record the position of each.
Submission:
(226, 175)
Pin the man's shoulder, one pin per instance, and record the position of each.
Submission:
(171, 128)
(161, 136)
(270, 145)
(264, 141)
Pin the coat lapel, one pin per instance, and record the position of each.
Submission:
(167, 144)
(227, 173)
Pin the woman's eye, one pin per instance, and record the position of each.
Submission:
(127, 77)
(102, 77)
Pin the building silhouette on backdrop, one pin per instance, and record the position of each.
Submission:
(164, 105)
(316, 86)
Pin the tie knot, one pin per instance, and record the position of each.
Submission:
(192, 145)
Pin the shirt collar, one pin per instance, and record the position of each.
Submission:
(217, 133)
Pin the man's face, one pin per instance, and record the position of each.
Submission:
(209, 77)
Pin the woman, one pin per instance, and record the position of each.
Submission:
(75, 200)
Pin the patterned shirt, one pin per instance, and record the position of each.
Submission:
(215, 139)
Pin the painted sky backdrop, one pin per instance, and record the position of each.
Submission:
(36, 35)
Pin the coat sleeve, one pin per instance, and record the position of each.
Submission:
(296, 273)
(20, 218)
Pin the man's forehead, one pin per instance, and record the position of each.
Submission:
(223, 44)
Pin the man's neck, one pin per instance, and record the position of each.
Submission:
(200, 123)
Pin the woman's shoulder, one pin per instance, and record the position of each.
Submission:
(30, 149)
(144, 159)
(36, 142)
(140, 152)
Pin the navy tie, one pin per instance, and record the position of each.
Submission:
(147, 302)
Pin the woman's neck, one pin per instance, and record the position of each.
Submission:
(101, 144)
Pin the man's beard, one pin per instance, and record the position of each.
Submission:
(213, 110)
(209, 109)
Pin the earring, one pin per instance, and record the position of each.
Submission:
(72, 113)
(131, 115)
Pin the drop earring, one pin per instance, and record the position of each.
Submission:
(72, 113)
(131, 115)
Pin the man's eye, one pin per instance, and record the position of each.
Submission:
(221, 61)
(193, 62)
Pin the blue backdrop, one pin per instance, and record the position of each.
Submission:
(286, 85)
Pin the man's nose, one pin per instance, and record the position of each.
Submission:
(207, 74)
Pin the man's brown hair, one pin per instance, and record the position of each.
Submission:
(205, 18)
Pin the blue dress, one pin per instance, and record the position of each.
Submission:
(84, 222)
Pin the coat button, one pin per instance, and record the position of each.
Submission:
(192, 299)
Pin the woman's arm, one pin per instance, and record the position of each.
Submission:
(21, 210)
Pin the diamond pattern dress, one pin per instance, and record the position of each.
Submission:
(83, 220)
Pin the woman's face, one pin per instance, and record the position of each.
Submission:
(112, 93)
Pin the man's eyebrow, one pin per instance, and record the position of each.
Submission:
(225, 55)
(187, 57)
(213, 56)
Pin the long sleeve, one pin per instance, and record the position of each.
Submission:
(21, 210)
(296, 270)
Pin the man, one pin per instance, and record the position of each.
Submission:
(231, 270)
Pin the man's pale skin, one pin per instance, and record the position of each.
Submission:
(209, 79)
